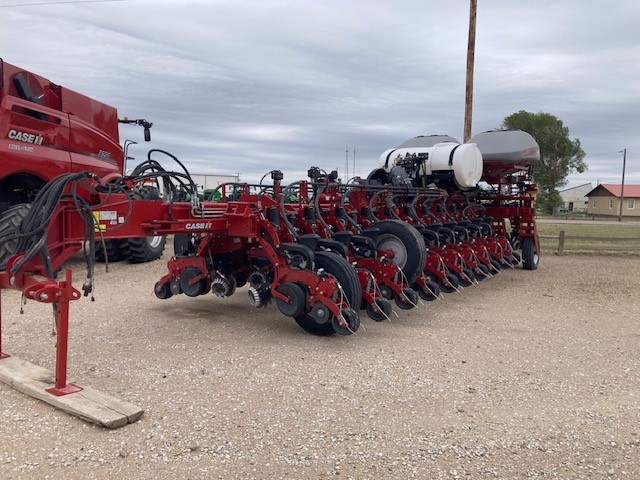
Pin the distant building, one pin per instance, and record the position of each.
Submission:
(206, 181)
(605, 200)
(575, 199)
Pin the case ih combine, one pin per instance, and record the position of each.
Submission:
(436, 216)
(48, 130)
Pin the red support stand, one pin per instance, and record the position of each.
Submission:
(62, 319)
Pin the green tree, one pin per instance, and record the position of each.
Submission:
(559, 155)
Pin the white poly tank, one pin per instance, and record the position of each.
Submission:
(464, 161)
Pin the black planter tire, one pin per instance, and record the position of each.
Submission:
(530, 258)
(450, 285)
(146, 249)
(411, 302)
(163, 292)
(496, 266)
(484, 272)
(407, 244)
(385, 310)
(9, 221)
(346, 276)
(517, 258)
(433, 292)
(386, 292)
(466, 277)
(353, 322)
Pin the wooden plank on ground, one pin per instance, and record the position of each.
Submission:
(89, 404)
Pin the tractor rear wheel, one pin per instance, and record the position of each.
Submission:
(346, 276)
(410, 251)
(9, 221)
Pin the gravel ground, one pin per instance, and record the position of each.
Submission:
(527, 375)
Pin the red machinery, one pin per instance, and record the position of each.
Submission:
(320, 248)
(47, 130)
(487, 181)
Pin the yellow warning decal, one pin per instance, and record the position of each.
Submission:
(96, 223)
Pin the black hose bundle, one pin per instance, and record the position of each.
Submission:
(30, 236)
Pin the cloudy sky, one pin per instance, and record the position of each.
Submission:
(248, 86)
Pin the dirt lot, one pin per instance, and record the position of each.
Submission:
(528, 375)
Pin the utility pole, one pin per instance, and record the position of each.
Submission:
(346, 164)
(353, 173)
(471, 49)
(624, 166)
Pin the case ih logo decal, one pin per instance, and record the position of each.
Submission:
(198, 226)
(25, 137)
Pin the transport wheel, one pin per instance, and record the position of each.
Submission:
(449, 284)
(412, 299)
(407, 244)
(385, 310)
(9, 221)
(429, 294)
(353, 321)
(346, 276)
(530, 258)
(297, 299)
(146, 249)
(163, 292)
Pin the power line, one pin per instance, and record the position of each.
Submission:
(59, 2)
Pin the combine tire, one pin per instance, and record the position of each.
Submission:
(112, 248)
(530, 258)
(146, 249)
(9, 220)
(407, 244)
(348, 279)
